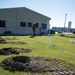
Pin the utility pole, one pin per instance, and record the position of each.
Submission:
(65, 22)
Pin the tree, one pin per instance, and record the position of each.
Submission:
(34, 29)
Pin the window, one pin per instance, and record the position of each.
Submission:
(23, 24)
(2, 23)
(29, 24)
(44, 26)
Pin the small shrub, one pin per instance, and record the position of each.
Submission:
(74, 32)
(52, 32)
(62, 35)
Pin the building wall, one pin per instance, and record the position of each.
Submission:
(69, 24)
(61, 29)
(13, 17)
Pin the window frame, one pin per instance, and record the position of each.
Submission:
(29, 24)
(22, 24)
(2, 24)
(44, 26)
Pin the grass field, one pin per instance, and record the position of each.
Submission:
(55, 47)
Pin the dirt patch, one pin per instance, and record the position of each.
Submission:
(63, 35)
(3, 41)
(7, 51)
(14, 38)
(22, 43)
(38, 64)
(25, 50)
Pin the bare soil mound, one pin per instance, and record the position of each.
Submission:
(7, 51)
(38, 64)
(22, 63)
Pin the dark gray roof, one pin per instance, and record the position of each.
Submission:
(28, 9)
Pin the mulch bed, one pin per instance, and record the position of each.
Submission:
(37, 64)
(7, 51)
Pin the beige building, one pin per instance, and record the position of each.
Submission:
(20, 20)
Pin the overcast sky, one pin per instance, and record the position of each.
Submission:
(55, 9)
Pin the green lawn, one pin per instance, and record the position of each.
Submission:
(56, 47)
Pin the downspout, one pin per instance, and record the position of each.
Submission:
(16, 20)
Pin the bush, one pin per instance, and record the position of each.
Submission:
(52, 31)
(62, 35)
(74, 32)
